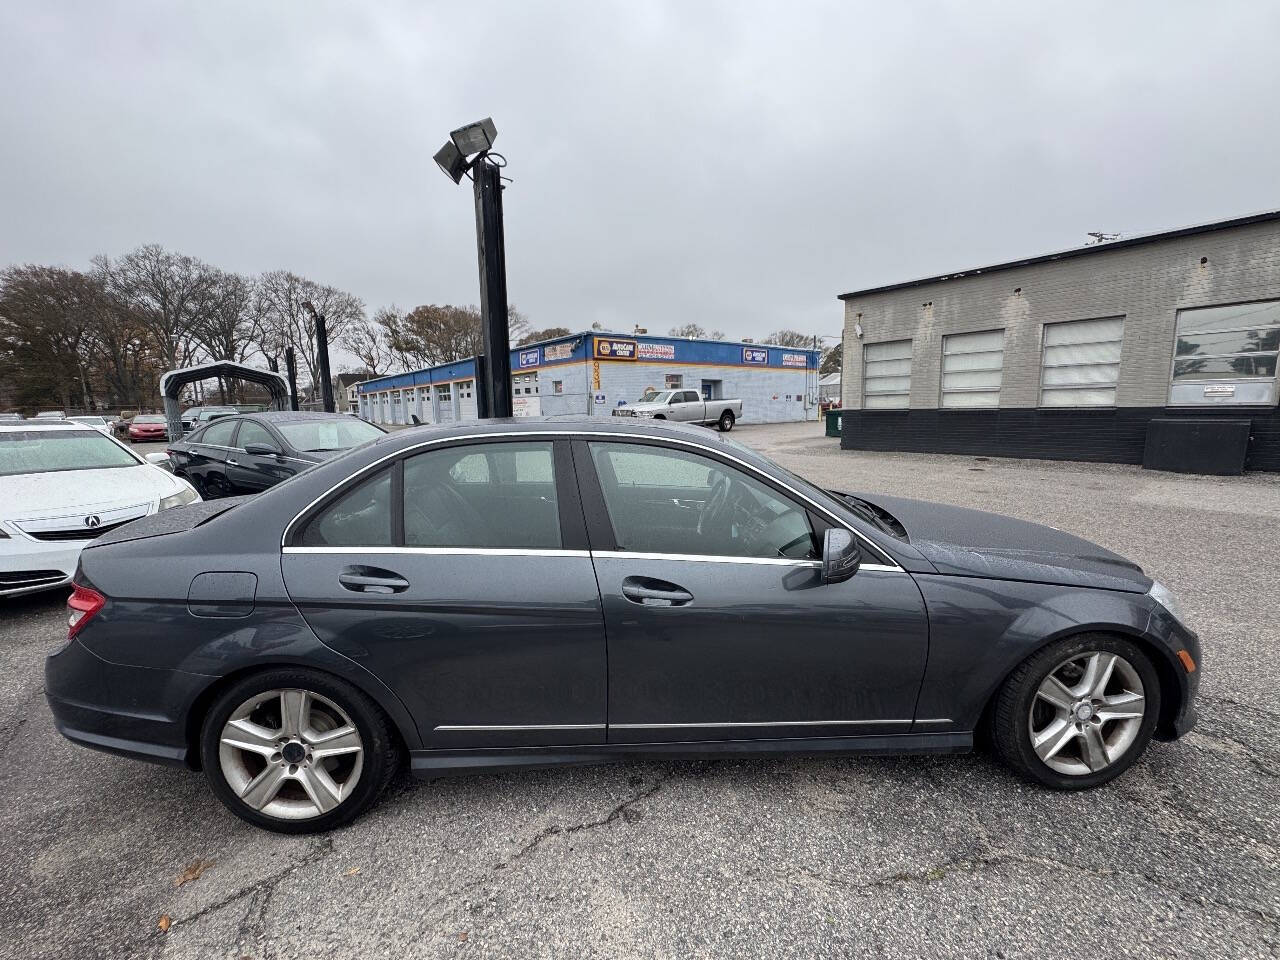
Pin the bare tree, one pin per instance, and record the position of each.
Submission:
(832, 360)
(441, 333)
(367, 339)
(791, 338)
(45, 316)
(169, 293)
(534, 336)
(284, 321)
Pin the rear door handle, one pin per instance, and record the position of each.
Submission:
(654, 593)
(372, 580)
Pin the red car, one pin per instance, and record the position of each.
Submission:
(148, 427)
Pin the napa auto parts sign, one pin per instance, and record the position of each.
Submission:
(758, 355)
(611, 349)
(529, 358)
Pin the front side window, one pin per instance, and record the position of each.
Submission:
(669, 501)
(972, 368)
(886, 375)
(493, 495)
(359, 518)
(1226, 355)
(1081, 363)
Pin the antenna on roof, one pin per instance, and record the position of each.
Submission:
(1101, 237)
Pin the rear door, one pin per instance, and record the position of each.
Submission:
(719, 624)
(460, 576)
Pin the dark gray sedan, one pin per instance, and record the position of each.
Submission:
(503, 594)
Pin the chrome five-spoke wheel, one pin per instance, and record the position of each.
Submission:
(291, 753)
(1087, 713)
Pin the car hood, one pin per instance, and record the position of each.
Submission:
(973, 543)
(33, 496)
(644, 407)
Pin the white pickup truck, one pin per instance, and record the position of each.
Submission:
(687, 406)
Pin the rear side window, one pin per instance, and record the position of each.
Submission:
(218, 433)
(359, 518)
(490, 495)
(251, 432)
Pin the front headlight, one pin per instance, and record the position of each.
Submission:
(1164, 596)
(180, 499)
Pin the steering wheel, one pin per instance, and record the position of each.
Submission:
(715, 512)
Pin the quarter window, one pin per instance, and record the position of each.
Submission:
(972, 368)
(482, 495)
(886, 376)
(1081, 363)
(669, 501)
(1226, 354)
(359, 518)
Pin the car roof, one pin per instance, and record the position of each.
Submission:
(282, 416)
(568, 424)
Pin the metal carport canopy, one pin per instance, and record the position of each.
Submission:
(171, 385)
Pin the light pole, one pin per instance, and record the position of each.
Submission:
(468, 153)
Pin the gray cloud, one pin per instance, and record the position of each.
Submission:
(734, 164)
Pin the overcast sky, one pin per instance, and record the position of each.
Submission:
(738, 165)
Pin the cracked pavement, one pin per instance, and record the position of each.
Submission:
(892, 857)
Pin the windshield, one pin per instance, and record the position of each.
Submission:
(148, 419)
(655, 396)
(100, 421)
(317, 436)
(49, 451)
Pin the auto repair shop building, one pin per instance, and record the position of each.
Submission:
(1158, 349)
(595, 372)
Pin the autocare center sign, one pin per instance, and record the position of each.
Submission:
(609, 348)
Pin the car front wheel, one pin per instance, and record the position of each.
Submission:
(1078, 713)
(297, 751)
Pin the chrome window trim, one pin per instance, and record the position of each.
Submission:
(717, 558)
(571, 434)
(448, 551)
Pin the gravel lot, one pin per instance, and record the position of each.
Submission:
(824, 857)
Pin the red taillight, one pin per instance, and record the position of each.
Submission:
(84, 602)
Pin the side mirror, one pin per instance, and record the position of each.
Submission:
(841, 555)
(260, 449)
(159, 459)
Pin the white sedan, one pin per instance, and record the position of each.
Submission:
(61, 485)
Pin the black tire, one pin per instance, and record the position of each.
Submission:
(659, 416)
(1010, 715)
(381, 757)
(726, 421)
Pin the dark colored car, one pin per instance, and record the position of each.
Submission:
(491, 595)
(195, 417)
(233, 456)
(148, 427)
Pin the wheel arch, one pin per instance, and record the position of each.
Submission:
(204, 700)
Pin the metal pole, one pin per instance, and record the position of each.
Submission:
(491, 252)
(291, 365)
(322, 355)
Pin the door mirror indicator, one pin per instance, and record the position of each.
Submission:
(260, 449)
(841, 555)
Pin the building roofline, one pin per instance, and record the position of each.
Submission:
(1073, 252)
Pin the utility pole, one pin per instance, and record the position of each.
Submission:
(468, 152)
(322, 356)
(491, 253)
(291, 366)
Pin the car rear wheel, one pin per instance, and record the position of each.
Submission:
(1078, 713)
(297, 751)
(725, 423)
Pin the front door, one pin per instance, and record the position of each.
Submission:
(719, 624)
(460, 577)
(254, 472)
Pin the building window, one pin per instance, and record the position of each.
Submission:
(972, 366)
(1081, 363)
(557, 386)
(886, 375)
(1226, 355)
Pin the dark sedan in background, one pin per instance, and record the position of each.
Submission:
(500, 594)
(237, 455)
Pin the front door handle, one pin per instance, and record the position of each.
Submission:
(372, 580)
(654, 593)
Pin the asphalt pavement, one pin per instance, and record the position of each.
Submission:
(897, 857)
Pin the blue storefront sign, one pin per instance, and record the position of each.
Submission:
(756, 355)
(529, 358)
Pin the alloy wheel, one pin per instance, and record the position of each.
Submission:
(291, 753)
(1086, 713)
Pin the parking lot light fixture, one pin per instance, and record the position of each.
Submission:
(451, 161)
(475, 137)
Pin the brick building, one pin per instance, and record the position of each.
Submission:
(1086, 354)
